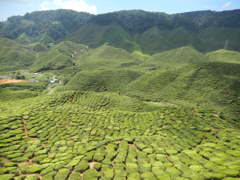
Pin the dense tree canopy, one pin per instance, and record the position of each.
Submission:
(132, 30)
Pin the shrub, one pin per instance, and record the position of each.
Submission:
(148, 176)
(91, 174)
(75, 176)
(49, 176)
(6, 176)
(30, 169)
(82, 166)
(61, 174)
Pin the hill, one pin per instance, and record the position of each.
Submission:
(55, 24)
(96, 35)
(75, 134)
(175, 57)
(14, 56)
(132, 30)
(190, 77)
(107, 56)
(226, 56)
(102, 80)
(59, 56)
(141, 99)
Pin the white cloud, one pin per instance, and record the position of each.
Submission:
(226, 5)
(77, 5)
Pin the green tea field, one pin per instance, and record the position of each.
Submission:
(79, 135)
(119, 95)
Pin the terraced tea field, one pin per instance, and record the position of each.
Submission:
(82, 136)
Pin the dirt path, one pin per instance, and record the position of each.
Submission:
(7, 81)
(52, 90)
(24, 123)
(161, 103)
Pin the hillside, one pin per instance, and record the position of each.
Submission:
(102, 80)
(118, 115)
(226, 56)
(128, 95)
(75, 135)
(132, 30)
(59, 56)
(176, 57)
(107, 57)
(14, 56)
(55, 24)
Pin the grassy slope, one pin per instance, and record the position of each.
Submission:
(175, 58)
(225, 56)
(60, 135)
(182, 75)
(104, 101)
(59, 56)
(103, 80)
(14, 56)
(107, 57)
(105, 69)
(194, 79)
(227, 65)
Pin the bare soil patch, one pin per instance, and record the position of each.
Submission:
(5, 160)
(27, 163)
(7, 81)
(91, 164)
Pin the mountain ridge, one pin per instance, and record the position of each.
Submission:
(130, 29)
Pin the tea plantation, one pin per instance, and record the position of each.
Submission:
(98, 135)
(105, 113)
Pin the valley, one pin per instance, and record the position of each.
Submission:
(98, 101)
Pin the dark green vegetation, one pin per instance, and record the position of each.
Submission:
(132, 30)
(14, 56)
(114, 112)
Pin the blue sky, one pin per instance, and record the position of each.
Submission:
(20, 7)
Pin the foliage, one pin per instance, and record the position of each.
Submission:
(131, 30)
(106, 113)
(14, 56)
(62, 136)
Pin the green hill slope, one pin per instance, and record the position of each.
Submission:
(95, 35)
(226, 56)
(14, 56)
(132, 30)
(107, 57)
(175, 58)
(76, 135)
(173, 115)
(59, 56)
(102, 80)
(55, 24)
(211, 84)
(93, 101)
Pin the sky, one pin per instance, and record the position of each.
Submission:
(20, 7)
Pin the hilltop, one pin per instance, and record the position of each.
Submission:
(132, 30)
